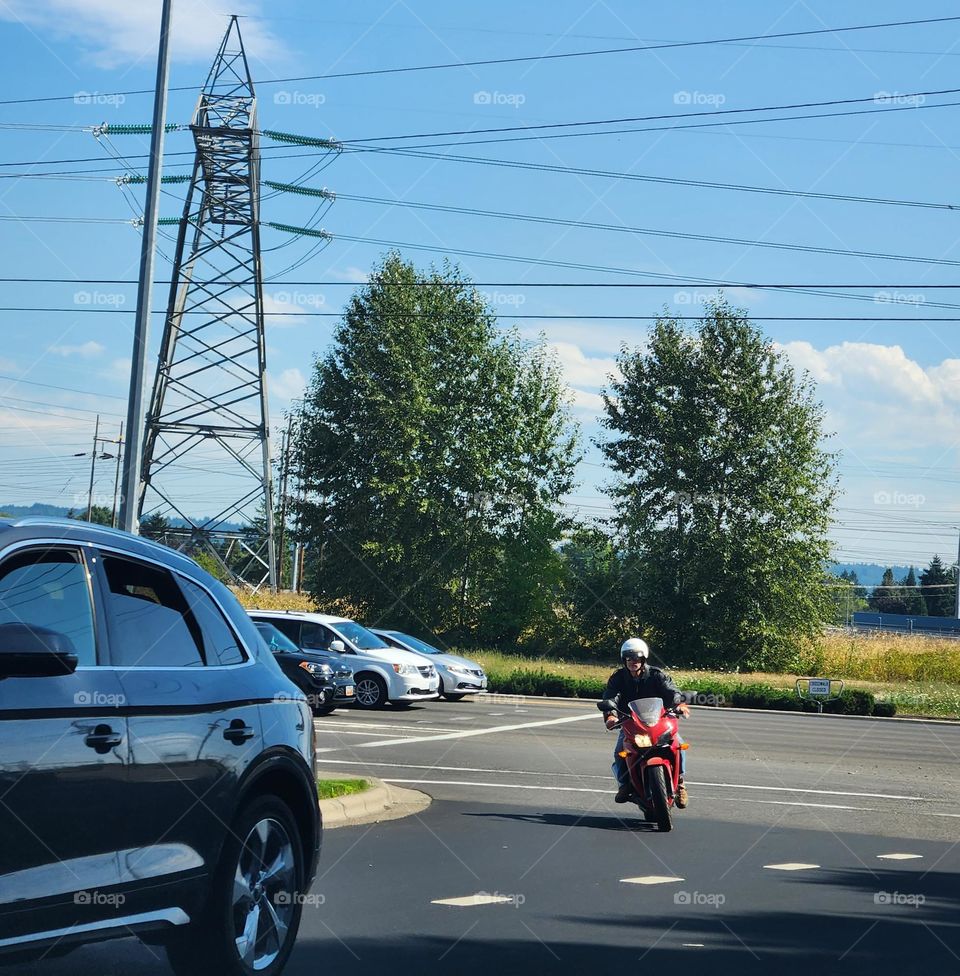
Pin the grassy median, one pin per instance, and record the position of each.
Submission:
(329, 789)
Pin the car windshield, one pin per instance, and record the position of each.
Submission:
(276, 640)
(360, 636)
(647, 709)
(421, 647)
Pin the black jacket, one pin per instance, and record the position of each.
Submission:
(653, 683)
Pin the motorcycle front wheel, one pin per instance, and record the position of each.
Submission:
(658, 793)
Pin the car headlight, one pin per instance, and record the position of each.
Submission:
(405, 669)
(454, 669)
(320, 670)
(643, 741)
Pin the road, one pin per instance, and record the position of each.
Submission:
(811, 843)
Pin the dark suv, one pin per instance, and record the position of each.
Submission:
(156, 766)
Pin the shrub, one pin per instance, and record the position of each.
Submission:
(884, 709)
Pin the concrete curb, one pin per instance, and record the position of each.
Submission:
(381, 802)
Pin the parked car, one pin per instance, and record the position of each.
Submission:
(459, 676)
(156, 766)
(381, 673)
(325, 681)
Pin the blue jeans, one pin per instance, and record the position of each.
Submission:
(620, 772)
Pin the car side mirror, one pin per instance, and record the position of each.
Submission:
(35, 652)
(608, 705)
(337, 646)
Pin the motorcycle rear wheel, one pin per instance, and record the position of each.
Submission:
(658, 793)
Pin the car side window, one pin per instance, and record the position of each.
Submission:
(151, 625)
(49, 588)
(218, 640)
(290, 628)
(316, 637)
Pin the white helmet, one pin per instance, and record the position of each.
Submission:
(634, 647)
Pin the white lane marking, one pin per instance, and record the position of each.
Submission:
(468, 901)
(584, 789)
(791, 866)
(469, 733)
(584, 776)
(692, 945)
(650, 879)
(797, 803)
(899, 857)
(325, 725)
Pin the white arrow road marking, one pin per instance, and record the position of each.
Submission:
(650, 879)
(898, 857)
(791, 866)
(469, 901)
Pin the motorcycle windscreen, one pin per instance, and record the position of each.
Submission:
(647, 710)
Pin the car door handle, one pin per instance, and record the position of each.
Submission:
(103, 739)
(238, 732)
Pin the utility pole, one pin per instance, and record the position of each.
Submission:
(93, 466)
(284, 471)
(135, 420)
(116, 478)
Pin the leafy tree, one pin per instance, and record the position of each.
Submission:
(937, 592)
(99, 515)
(154, 527)
(434, 450)
(724, 491)
(849, 597)
(888, 597)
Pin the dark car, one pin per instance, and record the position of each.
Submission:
(325, 681)
(156, 766)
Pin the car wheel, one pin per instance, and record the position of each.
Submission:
(454, 697)
(370, 691)
(252, 914)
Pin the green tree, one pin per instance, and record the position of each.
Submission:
(154, 527)
(99, 515)
(848, 596)
(889, 596)
(939, 588)
(434, 450)
(913, 601)
(724, 491)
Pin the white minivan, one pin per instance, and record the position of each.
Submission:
(381, 673)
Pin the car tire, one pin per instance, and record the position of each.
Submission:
(454, 698)
(370, 691)
(263, 832)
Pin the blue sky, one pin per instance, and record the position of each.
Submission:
(891, 390)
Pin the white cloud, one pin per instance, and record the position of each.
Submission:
(353, 274)
(88, 350)
(581, 369)
(288, 385)
(284, 309)
(585, 404)
(120, 32)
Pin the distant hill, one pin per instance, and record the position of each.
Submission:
(871, 574)
(38, 510)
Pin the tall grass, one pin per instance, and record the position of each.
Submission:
(881, 657)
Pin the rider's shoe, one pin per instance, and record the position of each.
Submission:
(681, 799)
(623, 794)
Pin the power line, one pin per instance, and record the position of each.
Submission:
(517, 60)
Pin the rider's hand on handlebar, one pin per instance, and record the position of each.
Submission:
(684, 709)
(611, 719)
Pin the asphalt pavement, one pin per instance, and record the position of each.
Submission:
(812, 843)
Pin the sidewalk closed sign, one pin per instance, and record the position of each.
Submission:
(819, 687)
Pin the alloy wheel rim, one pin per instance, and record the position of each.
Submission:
(367, 692)
(264, 894)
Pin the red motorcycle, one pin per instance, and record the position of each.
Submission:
(651, 748)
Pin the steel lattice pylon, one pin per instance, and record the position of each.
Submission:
(208, 423)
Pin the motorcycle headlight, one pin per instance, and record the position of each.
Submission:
(642, 741)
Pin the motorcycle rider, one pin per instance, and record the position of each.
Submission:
(637, 679)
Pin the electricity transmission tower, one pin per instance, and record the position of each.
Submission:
(207, 443)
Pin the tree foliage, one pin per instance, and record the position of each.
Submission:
(434, 450)
(724, 490)
(938, 588)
